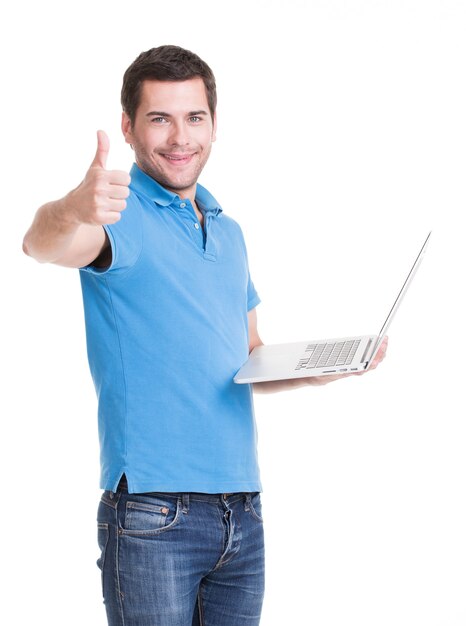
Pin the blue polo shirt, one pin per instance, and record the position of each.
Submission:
(167, 329)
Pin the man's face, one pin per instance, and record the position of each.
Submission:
(172, 133)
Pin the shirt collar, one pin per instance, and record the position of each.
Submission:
(142, 182)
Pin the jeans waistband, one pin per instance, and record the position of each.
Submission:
(203, 497)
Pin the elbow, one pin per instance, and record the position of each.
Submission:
(26, 247)
(254, 343)
(28, 250)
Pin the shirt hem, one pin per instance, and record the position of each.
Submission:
(223, 487)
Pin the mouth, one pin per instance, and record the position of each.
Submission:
(178, 159)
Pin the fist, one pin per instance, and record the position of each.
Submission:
(101, 197)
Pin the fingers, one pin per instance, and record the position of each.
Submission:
(108, 214)
(103, 147)
(118, 177)
(381, 352)
(118, 192)
(101, 197)
(110, 217)
(379, 357)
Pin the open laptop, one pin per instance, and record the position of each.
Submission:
(322, 357)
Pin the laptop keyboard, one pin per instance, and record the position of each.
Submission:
(328, 354)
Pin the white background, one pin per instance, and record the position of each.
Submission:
(341, 143)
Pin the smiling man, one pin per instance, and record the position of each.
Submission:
(170, 318)
(172, 147)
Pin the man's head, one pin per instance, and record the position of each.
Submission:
(165, 63)
(169, 101)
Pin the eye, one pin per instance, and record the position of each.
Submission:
(195, 118)
(159, 120)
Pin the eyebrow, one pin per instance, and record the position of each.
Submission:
(164, 114)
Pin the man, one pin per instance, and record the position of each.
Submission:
(170, 318)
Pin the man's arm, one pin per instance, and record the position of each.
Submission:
(69, 231)
(295, 383)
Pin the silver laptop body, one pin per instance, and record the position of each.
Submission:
(320, 357)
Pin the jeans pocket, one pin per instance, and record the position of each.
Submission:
(255, 507)
(150, 517)
(102, 540)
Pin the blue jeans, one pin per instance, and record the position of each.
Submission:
(174, 559)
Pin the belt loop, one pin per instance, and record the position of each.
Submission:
(247, 501)
(185, 501)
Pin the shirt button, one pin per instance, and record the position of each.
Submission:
(196, 226)
(182, 205)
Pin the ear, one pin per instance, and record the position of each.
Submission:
(214, 127)
(126, 128)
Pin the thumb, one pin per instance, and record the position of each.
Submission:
(103, 146)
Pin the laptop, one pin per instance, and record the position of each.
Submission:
(323, 357)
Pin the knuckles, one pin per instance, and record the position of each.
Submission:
(102, 195)
(116, 217)
(114, 177)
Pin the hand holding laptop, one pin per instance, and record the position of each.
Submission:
(320, 360)
(317, 381)
(379, 356)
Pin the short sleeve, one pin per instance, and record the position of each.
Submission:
(253, 296)
(125, 237)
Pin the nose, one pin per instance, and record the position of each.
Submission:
(179, 135)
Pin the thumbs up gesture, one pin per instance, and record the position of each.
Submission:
(101, 197)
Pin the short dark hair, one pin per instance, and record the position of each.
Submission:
(165, 63)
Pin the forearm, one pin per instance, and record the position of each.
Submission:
(274, 386)
(52, 231)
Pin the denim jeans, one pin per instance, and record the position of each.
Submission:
(174, 559)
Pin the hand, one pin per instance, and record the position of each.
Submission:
(101, 196)
(379, 357)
